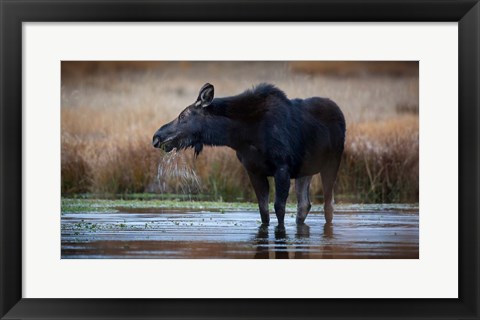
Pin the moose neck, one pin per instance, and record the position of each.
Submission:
(231, 119)
(218, 131)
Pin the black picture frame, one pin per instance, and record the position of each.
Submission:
(14, 12)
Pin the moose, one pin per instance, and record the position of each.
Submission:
(272, 136)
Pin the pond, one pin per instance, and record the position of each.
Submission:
(193, 234)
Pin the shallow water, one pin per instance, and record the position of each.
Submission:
(165, 234)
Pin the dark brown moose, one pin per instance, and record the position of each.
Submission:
(272, 136)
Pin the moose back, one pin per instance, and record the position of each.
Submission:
(272, 136)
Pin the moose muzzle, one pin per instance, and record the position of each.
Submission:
(156, 141)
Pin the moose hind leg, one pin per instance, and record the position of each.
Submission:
(302, 188)
(261, 187)
(282, 187)
(329, 175)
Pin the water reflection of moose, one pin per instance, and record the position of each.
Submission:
(282, 245)
(272, 136)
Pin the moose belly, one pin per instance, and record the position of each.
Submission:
(257, 163)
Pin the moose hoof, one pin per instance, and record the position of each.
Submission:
(328, 217)
(265, 220)
(328, 213)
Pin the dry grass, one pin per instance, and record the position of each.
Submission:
(110, 115)
(380, 162)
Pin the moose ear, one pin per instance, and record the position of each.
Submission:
(205, 96)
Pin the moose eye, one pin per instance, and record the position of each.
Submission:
(181, 116)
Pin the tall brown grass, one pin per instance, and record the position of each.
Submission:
(108, 120)
(381, 161)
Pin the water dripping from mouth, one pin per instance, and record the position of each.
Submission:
(174, 175)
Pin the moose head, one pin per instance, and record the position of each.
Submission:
(186, 130)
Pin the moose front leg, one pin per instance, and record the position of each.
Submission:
(261, 187)
(282, 186)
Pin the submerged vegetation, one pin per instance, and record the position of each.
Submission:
(108, 119)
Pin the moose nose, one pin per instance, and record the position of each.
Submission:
(156, 141)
